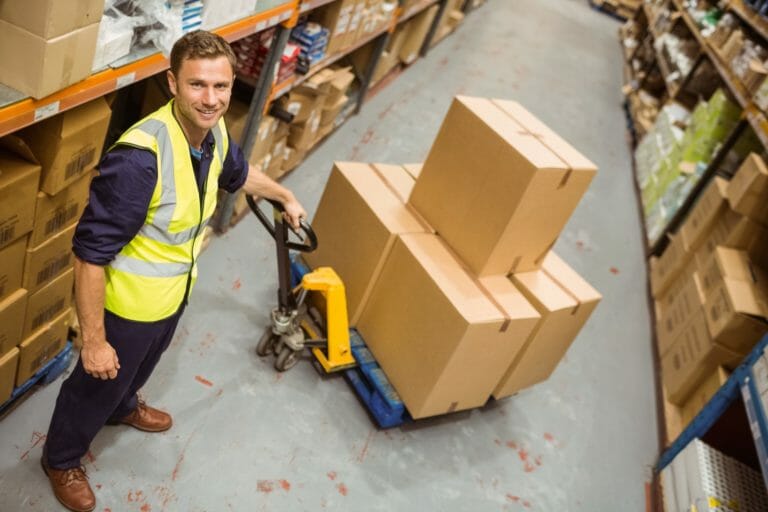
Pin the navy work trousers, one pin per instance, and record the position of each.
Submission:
(85, 404)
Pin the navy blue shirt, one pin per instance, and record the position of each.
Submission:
(120, 196)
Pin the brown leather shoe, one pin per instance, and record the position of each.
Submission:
(148, 419)
(71, 488)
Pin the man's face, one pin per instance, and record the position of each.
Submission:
(202, 90)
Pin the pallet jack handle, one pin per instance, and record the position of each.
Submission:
(278, 228)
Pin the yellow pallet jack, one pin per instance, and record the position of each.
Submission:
(295, 325)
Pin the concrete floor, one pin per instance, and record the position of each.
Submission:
(247, 438)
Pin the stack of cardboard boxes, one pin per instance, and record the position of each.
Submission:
(45, 173)
(448, 268)
(46, 45)
(711, 296)
(349, 21)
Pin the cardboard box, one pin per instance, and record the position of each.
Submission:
(8, 365)
(19, 179)
(48, 302)
(53, 213)
(397, 178)
(732, 264)
(673, 421)
(237, 116)
(520, 179)
(303, 136)
(692, 357)
(748, 189)
(51, 18)
(736, 314)
(49, 260)
(302, 102)
(685, 306)
(706, 390)
(273, 162)
(330, 113)
(565, 302)
(416, 33)
(12, 319)
(339, 86)
(42, 346)
(413, 169)
(357, 200)
(39, 67)
(668, 266)
(68, 145)
(336, 17)
(703, 214)
(733, 230)
(292, 158)
(433, 330)
(12, 266)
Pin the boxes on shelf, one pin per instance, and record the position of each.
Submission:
(336, 17)
(679, 310)
(693, 356)
(12, 266)
(304, 135)
(12, 311)
(703, 393)
(565, 302)
(312, 38)
(748, 189)
(53, 213)
(48, 302)
(704, 213)
(9, 363)
(42, 346)
(273, 161)
(51, 18)
(19, 178)
(236, 117)
(525, 183)
(416, 33)
(37, 66)
(358, 200)
(452, 16)
(438, 337)
(665, 268)
(735, 231)
(48, 260)
(69, 144)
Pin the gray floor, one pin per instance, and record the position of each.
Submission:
(246, 438)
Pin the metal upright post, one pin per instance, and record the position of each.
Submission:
(379, 44)
(443, 4)
(261, 94)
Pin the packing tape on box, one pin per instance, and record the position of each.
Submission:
(541, 138)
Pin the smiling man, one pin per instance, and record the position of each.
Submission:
(136, 249)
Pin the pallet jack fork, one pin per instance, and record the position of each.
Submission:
(294, 326)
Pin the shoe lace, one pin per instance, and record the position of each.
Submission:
(73, 475)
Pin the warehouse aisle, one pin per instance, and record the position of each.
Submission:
(248, 438)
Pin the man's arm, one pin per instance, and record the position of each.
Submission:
(259, 184)
(98, 357)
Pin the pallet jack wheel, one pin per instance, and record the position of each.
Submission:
(286, 359)
(266, 343)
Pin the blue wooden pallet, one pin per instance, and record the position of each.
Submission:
(372, 386)
(45, 375)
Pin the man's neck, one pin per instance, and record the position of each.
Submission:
(194, 136)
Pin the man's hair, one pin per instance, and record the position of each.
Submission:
(200, 44)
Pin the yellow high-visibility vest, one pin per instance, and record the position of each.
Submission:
(154, 273)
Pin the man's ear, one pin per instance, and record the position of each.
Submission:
(171, 82)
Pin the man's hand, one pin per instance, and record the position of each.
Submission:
(100, 360)
(294, 212)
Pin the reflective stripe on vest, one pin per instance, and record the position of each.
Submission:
(147, 281)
